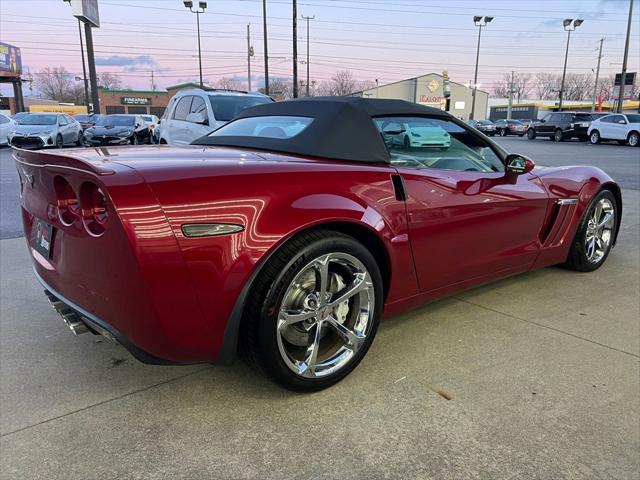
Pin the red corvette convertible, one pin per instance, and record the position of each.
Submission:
(288, 232)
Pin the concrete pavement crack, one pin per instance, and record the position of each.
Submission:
(547, 327)
(119, 397)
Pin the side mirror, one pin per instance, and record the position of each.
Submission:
(393, 131)
(517, 164)
(622, 122)
(196, 118)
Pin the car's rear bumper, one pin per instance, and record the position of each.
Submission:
(74, 314)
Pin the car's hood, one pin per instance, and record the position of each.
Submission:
(110, 130)
(24, 129)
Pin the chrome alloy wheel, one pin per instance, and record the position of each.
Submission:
(325, 316)
(600, 231)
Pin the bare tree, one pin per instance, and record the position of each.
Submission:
(229, 83)
(109, 81)
(547, 85)
(56, 83)
(342, 83)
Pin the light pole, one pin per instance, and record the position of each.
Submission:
(266, 51)
(84, 67)
(201, 8)
(307, 19)
(569, 25)
(479, 21)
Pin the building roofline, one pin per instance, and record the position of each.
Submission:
(414, 78)
(146, 92)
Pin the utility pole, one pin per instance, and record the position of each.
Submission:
(511, 91)
(249, 55)
(624, 60)
(84, 68)
(307, 19)
(153, 83)
(295, 48)
(266, 55)
(92, 68)
(595, 85)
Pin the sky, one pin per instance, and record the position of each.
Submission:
(375, 39)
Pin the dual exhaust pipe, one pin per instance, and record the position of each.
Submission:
(70, 318)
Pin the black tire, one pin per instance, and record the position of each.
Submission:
(594, 137)
(59, 141)
(503, 132)
(406, 142)
(633, 139)
(134, 140)
(80, 140)
(531, 134)
(558, 136)
(577, 259)
(261, 315)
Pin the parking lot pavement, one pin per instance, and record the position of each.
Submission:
(537, 376)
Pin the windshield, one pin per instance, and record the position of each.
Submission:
(82, 118)
(38, 120)
(116, 120)
(273, 126)
(584, 117)
(484, 122)
(634, 118)
(227, 107)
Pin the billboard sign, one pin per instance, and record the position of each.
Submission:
(86, 11)
(10, 60)
(629, 82)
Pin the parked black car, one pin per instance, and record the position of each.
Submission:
(510, 127)
(117, 130)
(485, 126)
(561, 126)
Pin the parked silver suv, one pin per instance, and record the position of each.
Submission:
(193, 113)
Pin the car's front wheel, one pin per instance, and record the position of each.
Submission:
(80, 140)
(558, 136)
(59, 141)
(595, 235)
(134, 140)
(314, 310)
(594, 137)
(531, 134)
(503, 132)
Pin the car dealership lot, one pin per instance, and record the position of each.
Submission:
(536, 376)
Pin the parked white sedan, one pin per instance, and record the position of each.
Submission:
(624, 128)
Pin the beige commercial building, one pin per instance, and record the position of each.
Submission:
(428, 90)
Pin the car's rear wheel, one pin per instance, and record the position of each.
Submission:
(314, 310)
(596, 232)
(633, 139)
(594, 137)
(558, 135)
(531, 134)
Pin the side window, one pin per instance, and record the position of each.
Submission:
(61, 120)
(3, 120)
(608, 119)
(199, 106)
(182, 108)
(430, 142)
(616, 118)
(546, 118)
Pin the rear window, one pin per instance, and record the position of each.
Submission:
(633, 118)
(268, 127)
(227, 107)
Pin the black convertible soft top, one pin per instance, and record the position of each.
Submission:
(342, 127)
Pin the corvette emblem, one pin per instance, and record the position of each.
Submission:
(433, 86)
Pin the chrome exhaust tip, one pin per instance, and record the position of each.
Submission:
(74, 323)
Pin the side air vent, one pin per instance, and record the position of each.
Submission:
(398, 186)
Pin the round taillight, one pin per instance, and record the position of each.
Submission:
(94, 209)
(66, 201)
